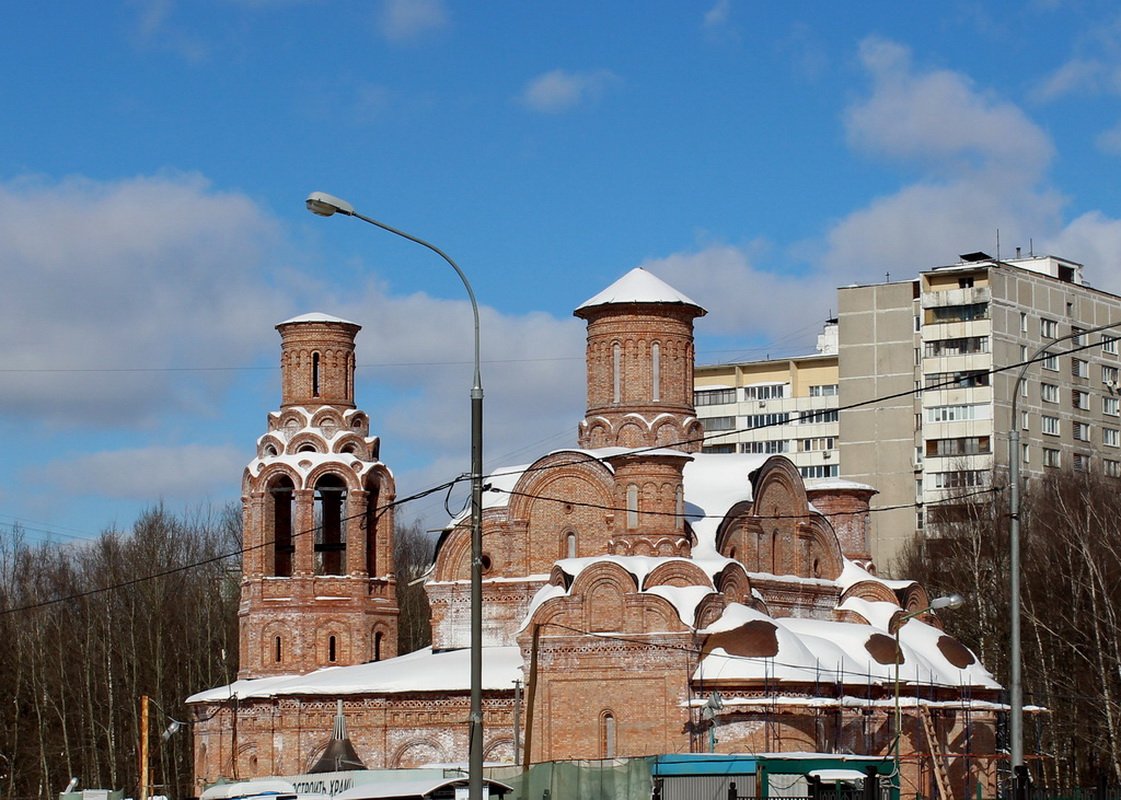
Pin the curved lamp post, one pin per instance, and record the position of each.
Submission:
(949, 601)
(1015, 680)
(325, 205)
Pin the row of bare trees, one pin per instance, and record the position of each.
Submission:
(86, 629)
(1071, 613)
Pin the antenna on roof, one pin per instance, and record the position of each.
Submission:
(998, 244)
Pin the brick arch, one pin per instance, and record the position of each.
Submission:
(825, 549)
(916, 598)
(595, 431)
(327, 415)
(453, 553)
(730, 534)
(340, 469)
(416, 752)
(271, 472)
(269, 439)
(630, 434)
(325, 629)
(542, 473)
(872, 591)
(349, 439)
(268, 645)
(304, 439)
(778, 475)
(602, 588)
(499, 749)
(734, 584)
(299, 416)
(710, 609)
(678, 572)
(357, 420)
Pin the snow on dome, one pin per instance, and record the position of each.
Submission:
(316, 316)
(713, 484)
(639, 286)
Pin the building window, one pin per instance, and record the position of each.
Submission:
(378, 637)
(960, 479)
(1112, 468)
(315, 374)
(632, 506)
(1051, 362)
(1023, 322)
(1076, 335)
(1050, 457)
(957, 380)
(1048, 392)
(1050, 425)
(718, 448)
(1048, 328)
(277, 653)
(608, 735)
(817, 443)
(656, 371)
(1080, 462)
(720, 423)
(1079, 368)
(1026, 455)
(1080, 399)
(817, 417)
(714, 397)
(332, 653)
(957, 347)
(1111, 437)
(330, 526)
(1111, 406)
(823, 390)
(963, 313)
(283, 512)
(961, 446)
(570, 544)
(1109, 344)
(763, 420)
(820, 471)
(1025, 421)
(1081, 431)
(957, 413)
(1109, 376)
(768, 446)
(765, 391)
(616, 372)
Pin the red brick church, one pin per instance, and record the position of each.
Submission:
(626, 580)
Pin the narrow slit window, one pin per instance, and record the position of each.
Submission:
(331, 649)
(616, 372)
(315, 374)
(656, 372)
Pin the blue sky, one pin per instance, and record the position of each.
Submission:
(155, 155)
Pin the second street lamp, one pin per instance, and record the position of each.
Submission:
(326, 205)
(949, 601)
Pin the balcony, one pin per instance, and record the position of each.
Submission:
(957, 297)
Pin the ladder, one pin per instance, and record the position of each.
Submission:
(941, 775)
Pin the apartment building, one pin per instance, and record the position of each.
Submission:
(927, 394)
(786, 406)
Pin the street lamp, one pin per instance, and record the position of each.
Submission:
(1015, 680)
(948, 601)
(325, 205)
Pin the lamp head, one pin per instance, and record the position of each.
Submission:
(949, 601)
(324, 205)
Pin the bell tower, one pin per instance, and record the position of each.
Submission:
(317, 583)
(640, 398)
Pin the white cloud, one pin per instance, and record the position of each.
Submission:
(108, 283)
(940, 119)
(559, 90)
(1109, 141)
(719, 15)
(742, 299)
(1095, 240)
(404, 20)
(146, 474)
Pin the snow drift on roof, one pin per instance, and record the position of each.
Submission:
(317, 316)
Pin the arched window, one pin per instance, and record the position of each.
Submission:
(656, 372)
(632, 506)
(679, 507)
(616, 372)
(378, 636)
(570, 544)
(277, 653)
(774, 552)
(315, 374)
(331, 649)
(607, 735)
(370, 526)
(330, 527)
(283, 500)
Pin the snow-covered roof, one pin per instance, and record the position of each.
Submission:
(638, 286)
(812, 650)
(316, 316)
(714, 482)
(421, 671)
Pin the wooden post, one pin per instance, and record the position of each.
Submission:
(143, 747)
(531, 692)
